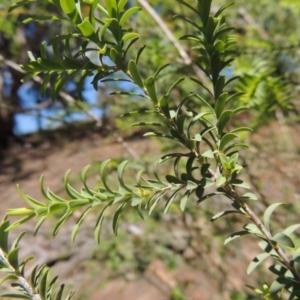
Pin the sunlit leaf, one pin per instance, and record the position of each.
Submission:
(268, 212)
(256, 262)
(283, 240)
(235, 235)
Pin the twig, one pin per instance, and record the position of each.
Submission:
(24, 283)
(183, 54)
(266, 233)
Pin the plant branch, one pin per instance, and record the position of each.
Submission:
(253, 217)
(24, 283)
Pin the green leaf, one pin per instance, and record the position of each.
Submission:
(184, 200)
(10, 277)
(200, 116)
(121, 4)
(174, 85)
(130, 36)
(205, 103)
(234, 97)
(61, 222)
(86, 28)
(207, 196)
(188, 20)
(227, 138)
(43, 284)
(30, 201)
(155, 203)
(17, 240)
(283, 240)
(127, 14)
(150, 86)
(39, 224)
(159, 70)
(79, 222)
(253, 229)
(116, 57)
(199, 192)
(164, 105)
(197, 137)
(220, 180)
(12, 257)
(268, 212)
(4, 235)
(117, 215)
(239, 129)
(136, 200)
(256, 262)
(224, 213)
(235, 235)
(120, 172)
(67, 6)
(134, 72)
(265, 246)
(235, 145)
(83, 176)
(14, 212)
(189, 6)
(219, 86)
(288, 231)
(239, 183)
(276, 287)
(4, 264)
(191, 185)
(173, 179)
(296, 254)
(112, 7)
(223, 120)
(98, 225)
(221, 9)
(249, 196)
(208, 154)
(221, 104)
(59, 293)
(15, 296)
(239, 110)
(102, 174)
(18, 4)
(170, 201)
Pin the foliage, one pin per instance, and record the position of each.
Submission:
(207, 162)
(40, 286)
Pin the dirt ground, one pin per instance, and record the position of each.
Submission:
(274, 174)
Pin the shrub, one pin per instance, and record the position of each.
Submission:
(205, 165)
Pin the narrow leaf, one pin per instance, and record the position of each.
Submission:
(224, 213)
(227, 138)
(117, 215)
(134, 72)
(235, 235)
(257, 261)
(268, 212)
(150, 86)
(283, 240)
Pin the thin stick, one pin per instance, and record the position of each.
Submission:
(183, 54)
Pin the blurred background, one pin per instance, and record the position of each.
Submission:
(175, 256)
